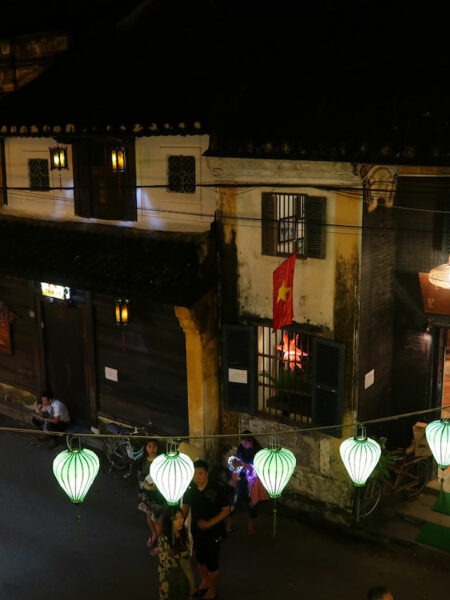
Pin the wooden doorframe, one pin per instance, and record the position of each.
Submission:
(88, 343)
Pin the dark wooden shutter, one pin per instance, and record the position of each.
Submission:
(269, 225)
(315, 218)
(3, 183)
(328, 384)
(81, 178)
(129, 208)
(239, 360)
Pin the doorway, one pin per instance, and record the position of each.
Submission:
(64, 353)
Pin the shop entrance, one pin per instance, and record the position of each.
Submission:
(64, 356)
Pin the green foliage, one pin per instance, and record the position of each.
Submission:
(288, 380)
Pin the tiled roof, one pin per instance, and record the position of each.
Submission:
(173, 268)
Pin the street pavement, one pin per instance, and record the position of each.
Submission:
(44, 557)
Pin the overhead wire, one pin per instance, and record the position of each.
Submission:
(277, 433)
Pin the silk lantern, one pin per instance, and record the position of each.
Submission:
(438, 438)
(75, 470)
(274, 466)
(360, 456)
(172, 473)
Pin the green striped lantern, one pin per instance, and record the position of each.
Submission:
(172, 473)
(274, 467)
(360, 456)
(75, 470)
(438, 438)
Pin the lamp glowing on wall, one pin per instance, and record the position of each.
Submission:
(122, 312)
(360, 456)
(118, 160)
(172, 472)
(75, 471)
(58, 158)
(440, 276)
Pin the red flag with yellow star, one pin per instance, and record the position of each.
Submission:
(283, 284)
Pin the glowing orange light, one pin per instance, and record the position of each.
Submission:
(118, 160)
(291, 352)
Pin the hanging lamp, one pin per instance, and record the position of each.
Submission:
(274, 466)
(172, 472)
(360, 456)
(438, 438)
(75, 470)
(440, 276)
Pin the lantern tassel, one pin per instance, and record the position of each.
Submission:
(78, 521)
(358, 503)
(124, 341)
(274, 533)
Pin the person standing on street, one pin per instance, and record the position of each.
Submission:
(52, 415)
(210, 506)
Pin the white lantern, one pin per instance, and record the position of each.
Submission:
(172, 473)
(440, 276)
(438, 438)
(75, 471)
(360, 456)
(274, 467)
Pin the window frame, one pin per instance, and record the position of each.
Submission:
(309, 214)
(180, 189)
(275, 401)
(39, 188)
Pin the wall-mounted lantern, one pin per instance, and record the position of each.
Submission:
(121, 312)
(58, 158)
(118, 160)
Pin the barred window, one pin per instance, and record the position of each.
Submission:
(39, 174)
(181, 174)
(293, 223)
(290, 215)
(284, 374)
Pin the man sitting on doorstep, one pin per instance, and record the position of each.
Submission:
(52, 414)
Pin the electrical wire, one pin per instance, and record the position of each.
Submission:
(227, 435)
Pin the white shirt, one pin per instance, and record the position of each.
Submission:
(58, 409)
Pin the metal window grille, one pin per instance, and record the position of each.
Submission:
(284, 374)
(39, 174)
(181, 174)
(290, 214)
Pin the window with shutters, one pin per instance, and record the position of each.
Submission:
(181, 174)
(38, 173)
(100, 192)
(284, 374)
(293, 223)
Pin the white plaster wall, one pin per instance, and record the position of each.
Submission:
(161, 209)
(157, 208)
(313, 280)
(55, 203)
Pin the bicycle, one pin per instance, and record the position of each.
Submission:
(120, 453)
(396, 472)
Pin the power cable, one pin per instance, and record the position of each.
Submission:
(229, 435)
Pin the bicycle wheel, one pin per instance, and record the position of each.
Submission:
(117, 455)
(415, 478)
(369, 498)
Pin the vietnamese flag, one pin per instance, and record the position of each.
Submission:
(283, 288)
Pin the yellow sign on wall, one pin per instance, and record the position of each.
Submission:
(51, 290)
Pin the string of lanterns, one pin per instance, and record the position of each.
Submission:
(76, 468)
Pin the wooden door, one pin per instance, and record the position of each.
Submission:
(64, 352)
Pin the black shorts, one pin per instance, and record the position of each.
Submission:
(207, 552)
